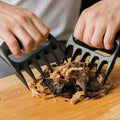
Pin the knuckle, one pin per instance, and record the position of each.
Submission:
(38, 39)
(14, 21)
(28, 42)
(90, 13)
(113, 24)
(13, 43)
(4, 26)
(31, 14)
(77, 35)
(46, 32)
(86, 40)
(103, 20)
(94, 43)
(20, 18)
(14, 50)
(93, 16)
(108, 44)
(108, 47)
(84, 12)
(27, 49)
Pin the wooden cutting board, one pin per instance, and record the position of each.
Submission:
(16, 103)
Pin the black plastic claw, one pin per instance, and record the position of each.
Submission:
(108, 70)
(29, 71)
(55, 45)
(44, 59)
(73, 54)
(37, 66)
(61, 53)
(53, 56)
(100, 65)
(82, 57)
(21, 77)
(92, 60)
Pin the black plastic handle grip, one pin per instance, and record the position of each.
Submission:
(5, 49)
(116, 42)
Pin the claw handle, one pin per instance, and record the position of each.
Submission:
(5, 49)
(116, 44)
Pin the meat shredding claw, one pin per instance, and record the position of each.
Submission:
(51, 49)
(80, 48)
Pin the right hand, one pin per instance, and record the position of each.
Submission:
(18, 22)
(98, 25)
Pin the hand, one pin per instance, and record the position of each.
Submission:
(26, 26)
(98, 24)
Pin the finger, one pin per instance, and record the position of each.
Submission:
(11, 42)
(109, 37)
(25, 39)
(41, 28)
(97, 38)
(34, 33)
(89, 30)
(79, 29)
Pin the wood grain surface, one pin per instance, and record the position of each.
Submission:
(16, 103)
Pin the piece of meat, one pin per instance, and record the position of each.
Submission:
(78, 96)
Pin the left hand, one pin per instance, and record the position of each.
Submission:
(98, 24)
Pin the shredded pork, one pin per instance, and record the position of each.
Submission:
(71, 80)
